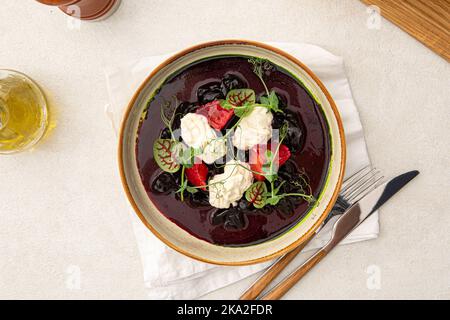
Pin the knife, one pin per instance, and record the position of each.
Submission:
(349, 220)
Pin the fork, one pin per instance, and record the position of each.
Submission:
(353, 189)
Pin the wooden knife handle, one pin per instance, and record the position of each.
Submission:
(284, 286)
(274, 270)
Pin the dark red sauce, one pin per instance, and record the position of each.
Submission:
(307, 139)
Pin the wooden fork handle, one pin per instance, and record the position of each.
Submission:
(262, 282)
(285, 285)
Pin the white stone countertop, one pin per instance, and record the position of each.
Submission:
(62, 207)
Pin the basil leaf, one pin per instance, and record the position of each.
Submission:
(163, 155)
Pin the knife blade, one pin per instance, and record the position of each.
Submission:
(360, 211)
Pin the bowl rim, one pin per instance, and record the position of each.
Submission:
(311, 231)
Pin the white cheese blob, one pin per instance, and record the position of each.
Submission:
(195, 130)
(213, 150)
(227, 188)
(255, 128)
(196, 133)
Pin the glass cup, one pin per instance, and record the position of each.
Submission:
(23, 112)
(85, 9)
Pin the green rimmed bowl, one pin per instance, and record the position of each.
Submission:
(176, 237)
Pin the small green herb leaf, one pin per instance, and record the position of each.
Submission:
(185, 155)
(271, 102)
(271, 177)
(191, 189)
(283, 131)
(273, 201)
(264, 101)
(163, 154)
(269, 167)
(241, 97)
(255, 194)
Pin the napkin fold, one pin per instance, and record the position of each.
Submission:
(171, 275)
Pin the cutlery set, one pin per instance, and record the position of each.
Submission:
(361, 195)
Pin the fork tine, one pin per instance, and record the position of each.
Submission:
(357, 186)
(362, 184)
(362, 190)
(375, 184)
(357, 182)
(349, 181)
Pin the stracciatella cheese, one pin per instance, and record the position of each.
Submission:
(227, 188)
(213, 150)
(195, 130)
(255, 128)
(196, 133)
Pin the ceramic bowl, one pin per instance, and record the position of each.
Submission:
(176, 237)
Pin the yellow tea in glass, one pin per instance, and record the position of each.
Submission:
(23, 112)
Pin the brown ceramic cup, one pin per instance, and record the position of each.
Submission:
(85, 9)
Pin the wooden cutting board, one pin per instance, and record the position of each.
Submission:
(426, 20)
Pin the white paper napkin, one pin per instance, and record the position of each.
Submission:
(170, 275)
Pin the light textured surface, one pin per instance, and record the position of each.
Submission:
(62, 208)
